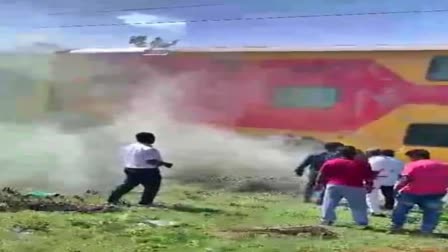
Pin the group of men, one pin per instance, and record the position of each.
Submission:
(344, 172)
(339, 172)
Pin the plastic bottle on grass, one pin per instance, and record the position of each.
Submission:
(40, 194)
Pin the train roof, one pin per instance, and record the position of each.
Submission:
(333, 48)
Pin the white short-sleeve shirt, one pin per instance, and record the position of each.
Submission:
(136, 155)
(389, 169)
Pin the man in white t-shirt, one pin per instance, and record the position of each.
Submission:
(394, 168)
(378, 164)
(141, 162)
(387, 171)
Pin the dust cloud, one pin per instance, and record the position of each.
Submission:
(43, 153)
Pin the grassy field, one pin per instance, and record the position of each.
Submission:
(203, 226)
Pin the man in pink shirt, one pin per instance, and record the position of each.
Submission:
(345, 177)
(424, 183)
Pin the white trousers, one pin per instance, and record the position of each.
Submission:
(373, 201)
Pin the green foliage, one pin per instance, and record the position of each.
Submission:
(32, 223)
(205, 219)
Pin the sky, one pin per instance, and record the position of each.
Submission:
(24, 22)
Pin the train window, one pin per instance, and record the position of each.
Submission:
(430, 135)
(438, 69)
(305, 97)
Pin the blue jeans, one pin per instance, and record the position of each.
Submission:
(356, 198)
(431, 205)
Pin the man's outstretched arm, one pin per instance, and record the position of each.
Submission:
(305, 163)
(153, 157)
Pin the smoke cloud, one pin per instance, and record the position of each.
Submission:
(57, 151)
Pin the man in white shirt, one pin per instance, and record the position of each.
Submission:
(141, 162)
(387, 171)
(394, 169)
(378, 164)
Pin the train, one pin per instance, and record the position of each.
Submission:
(380, 96)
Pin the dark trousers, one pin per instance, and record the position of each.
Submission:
(431, 205)
(309, 188)
(150, 179)
(389, 197)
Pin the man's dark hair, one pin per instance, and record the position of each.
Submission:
(388, 153)
(333, 146)
(145, 138)
(348, 152)
(418, 154)
(373, 152)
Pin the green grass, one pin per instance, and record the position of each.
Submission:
(200, 228)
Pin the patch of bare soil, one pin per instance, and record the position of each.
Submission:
(13, 201)
(405, 250)
(314, 231)
(247, 184)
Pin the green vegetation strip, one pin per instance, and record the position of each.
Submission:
(194, 219)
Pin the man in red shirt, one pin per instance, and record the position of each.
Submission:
(348, 178)
(424, 183)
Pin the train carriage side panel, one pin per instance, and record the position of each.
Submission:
(368, 98)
